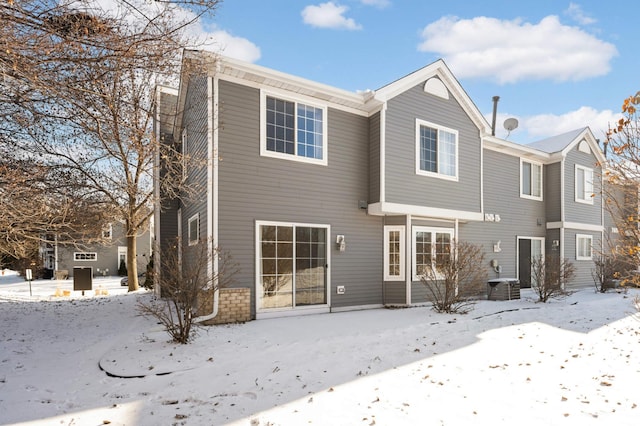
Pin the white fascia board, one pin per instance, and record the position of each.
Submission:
(575, 225)
(384, 208)
(493, 143)
(260, 76)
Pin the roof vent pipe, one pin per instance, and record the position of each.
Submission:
(495, 112)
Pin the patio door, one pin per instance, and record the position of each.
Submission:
(528, 249)
(291, 266)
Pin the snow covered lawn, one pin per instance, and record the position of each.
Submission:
(91, 360)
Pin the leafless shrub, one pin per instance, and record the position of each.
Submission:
(611, 271)
(549, 275)
(184, 279)
(456, 280)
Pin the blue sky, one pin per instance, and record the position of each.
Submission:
(556, 65)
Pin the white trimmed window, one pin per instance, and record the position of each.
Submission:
(82, 256)
(583, 247)
(584, 185)
(194, 229)
(394, 248)
(293, 129)
(530, 180)
(292, 266)
(107, 232)
(436, 151)
(431, 249)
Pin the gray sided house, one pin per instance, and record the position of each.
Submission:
(331, 200)
(104, 257)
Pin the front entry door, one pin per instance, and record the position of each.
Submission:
(528, 249)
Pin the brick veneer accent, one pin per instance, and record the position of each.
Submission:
(233, 306)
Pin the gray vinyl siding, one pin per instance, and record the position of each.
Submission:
(374, 158)
(168, 220)
(583, 268)
(519, 217)
(256, 188)
(195, 117)
(552, 235)
(402, 183)
(581, 212)
(553, 191)
(106, 253)
(615, 208)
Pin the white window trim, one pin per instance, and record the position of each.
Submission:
(92, 254)
(296, 310)
(586, 237)
(195, 218)
(438, 127)
(527, 196)
(264, 152)
(588, 197)
(433, 230)
(387, 230)
(184, 147)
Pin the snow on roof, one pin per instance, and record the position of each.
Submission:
(556, 143)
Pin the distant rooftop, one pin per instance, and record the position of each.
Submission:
(556, 143)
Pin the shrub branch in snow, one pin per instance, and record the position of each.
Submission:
(457, 278)
(187, 277)
(549, 276)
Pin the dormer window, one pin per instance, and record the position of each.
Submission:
(436, 151)
(530, 180)
(584, 185)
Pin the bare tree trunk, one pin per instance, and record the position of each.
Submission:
(132, 264)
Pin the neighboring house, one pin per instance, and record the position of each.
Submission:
(104, 257)
(331, 200)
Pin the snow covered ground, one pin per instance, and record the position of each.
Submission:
(91, 360)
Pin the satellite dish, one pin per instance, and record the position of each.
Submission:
(510, 124)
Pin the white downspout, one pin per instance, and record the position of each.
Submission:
(212, 190)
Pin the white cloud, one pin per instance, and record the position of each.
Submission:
(511, 51)
(212, 38)
(575, 12)
(542, 126)
(329, 15)
(546, 125)
(222, 42)
(377, 3)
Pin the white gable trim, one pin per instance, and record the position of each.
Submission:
(436, 69)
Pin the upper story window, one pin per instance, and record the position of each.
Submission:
(194, 229)
(584, 185)
(530, 180)
(436, 150)
(107, 232)
(293, 130)
(184, 153)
